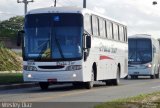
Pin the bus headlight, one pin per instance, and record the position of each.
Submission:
(149, 66)
(74, 67)
(30, 68)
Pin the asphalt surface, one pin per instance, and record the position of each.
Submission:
(67, 93)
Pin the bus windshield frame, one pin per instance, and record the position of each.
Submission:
(53, 37)
(140, 50)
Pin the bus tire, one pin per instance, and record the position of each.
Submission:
(153, 76)
(90, 84)
(117, 80)
(157, 75)
(132, 76)
(136, 76)
(44, 85)
(126, 77)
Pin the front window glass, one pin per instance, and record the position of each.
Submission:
(140, 50)
(53, 36)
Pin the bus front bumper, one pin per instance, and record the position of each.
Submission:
(139, 71)
(59, 76)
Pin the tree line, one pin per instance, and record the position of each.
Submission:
(10, 27)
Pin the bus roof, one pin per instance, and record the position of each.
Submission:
(140, 36)
(69, 10)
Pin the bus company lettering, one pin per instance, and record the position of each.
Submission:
(108, 49)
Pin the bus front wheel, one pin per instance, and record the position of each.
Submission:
(153, 76)
(134, 77)
(157, 75)
(90, 84)
(44, 85)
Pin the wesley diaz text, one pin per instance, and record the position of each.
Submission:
(16, 105)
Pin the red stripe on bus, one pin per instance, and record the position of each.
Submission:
(105, 57)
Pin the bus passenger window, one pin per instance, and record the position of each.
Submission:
(95, 26)
(109, 29)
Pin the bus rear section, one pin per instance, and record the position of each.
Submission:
(143, 58)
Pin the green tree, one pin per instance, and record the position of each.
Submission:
(9, 28)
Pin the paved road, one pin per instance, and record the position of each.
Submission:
(67, 93)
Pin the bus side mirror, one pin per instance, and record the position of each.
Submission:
(88, 42)
(19, 37)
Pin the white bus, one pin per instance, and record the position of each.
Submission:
(143, 56)
(67, 44)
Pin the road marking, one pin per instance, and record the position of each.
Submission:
(155, 87)
(95, 89)
(37, 99)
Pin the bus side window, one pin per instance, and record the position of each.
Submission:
(87, 23)
(121, 34)
(102, 27)
(95, 25)
(115, 31)
(109, 29)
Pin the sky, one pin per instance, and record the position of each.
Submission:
(140, 16)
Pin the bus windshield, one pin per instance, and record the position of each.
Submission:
(53, 36)
(140, 51)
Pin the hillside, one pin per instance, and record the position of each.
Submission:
(9, 60)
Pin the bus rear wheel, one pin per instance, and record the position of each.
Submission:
(117, 80)
(44, 85)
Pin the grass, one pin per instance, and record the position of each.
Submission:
(9, 60)
(10, 78)
(141, 101)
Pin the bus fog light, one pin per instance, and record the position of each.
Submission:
(149, 66)
(74, 75)
(29, 76)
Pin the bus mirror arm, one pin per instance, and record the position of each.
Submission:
(19, 37)
(85, 56)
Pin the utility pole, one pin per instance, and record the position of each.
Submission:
(84, 3)
(25, 4)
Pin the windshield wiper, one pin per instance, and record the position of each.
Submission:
(59, 47)
(43, 49)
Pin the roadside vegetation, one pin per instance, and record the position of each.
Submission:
(10, 27)
(9, 60)
(142, 101)
(11, 78)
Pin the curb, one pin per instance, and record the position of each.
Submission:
(18, 86)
